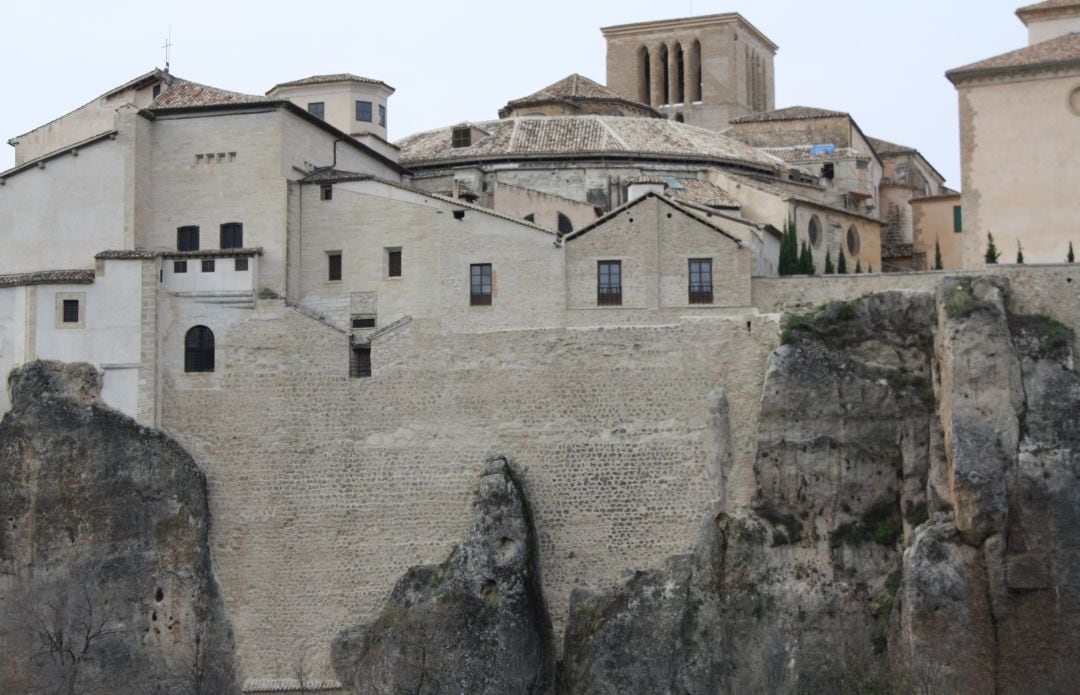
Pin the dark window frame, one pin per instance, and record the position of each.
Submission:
(326, 192)
(363, 108)
(240, 265)
(179, 267)
(187, 238)
(609, 283)
(333, 267)
(481, 284)
(364, 321)
(393, 263)
(208, 265)
(700, 290)
(232, 235)
(70, 310)
(461, 137)
(360, 361)
(317, 109)
(382, 115)
(199, 350)
(957, 219)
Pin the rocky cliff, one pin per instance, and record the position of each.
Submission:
(106, 583)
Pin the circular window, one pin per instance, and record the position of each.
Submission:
(853, 241)
(1074, 101)
(814, 231)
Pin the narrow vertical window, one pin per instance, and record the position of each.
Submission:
(565, 225)
(701, 290)
(333, 266)
(665, 76)
(232, 235)
(609, 283)
(199, 350)
(480, 284)
(393, 263)
(957, 220)
(360, 361)
(71, 311)
(187, 238)
(680, 76)
(695, 71)
(645, 78)
(382, 115)
(326, 191)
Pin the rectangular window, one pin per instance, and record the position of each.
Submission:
(609, 283)
(957, 220)
(240, 264)
(317, 109)
(363, 321)
(480, 284)
(232, 235)
(71, 311)
(333, 266)
(828, 171)
(382, 115)
(393, 263)
(360, 361)
(363, 111)
(326, 192)
(187, 238)
(179, 266)
(860, 164)
(157, 91)
(701, 281)
(208, 265)
(461, 137)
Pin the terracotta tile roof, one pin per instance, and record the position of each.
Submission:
(575, 136)
(144, 254)
(573, 87)
(648, 179)
(804, 154)
(126, 255)
(697, 192)
(48, 277)
(790, 113)
(328, 79)
(186, 94)
(1062, 51)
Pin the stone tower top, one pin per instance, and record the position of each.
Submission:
(704, 70)
(352, 104)
(1050, 19)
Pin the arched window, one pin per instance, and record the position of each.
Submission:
(645, 77)
(695, 71)
(679, 117)
(199, 350)
(665, 75)
(680, 75)
(813, 231)
(565, 225)
(853, 241)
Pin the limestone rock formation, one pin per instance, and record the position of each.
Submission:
(477, 623)
(106, 583)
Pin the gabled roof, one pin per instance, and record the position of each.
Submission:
(633, 203)
(790, 113)
(885, 148)
(186, 94)
(1063, 52)
(1050, 7)
(329, 79)
(576, 90)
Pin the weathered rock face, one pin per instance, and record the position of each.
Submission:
(477, 623)
(106, 584)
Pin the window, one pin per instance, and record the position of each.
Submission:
(363, 321)
(240, 264)
(828, 171)
(317, 109)
(531, 217)
(208, 265)
(459, 214)
(382, 115)
(853, 241)
(157, 90)
(71, 310)
(565, 226)
(179, 266)
(813, 231)
(363, 111)
(326, 192)
(461, 137)
(480, 284)
(333, 266)
(187, 238)
(393, 263)
(232, 235)
(360, 362)
(957, 220)
(199, 350)
(701, 281)
(609, 283)
(860, 164)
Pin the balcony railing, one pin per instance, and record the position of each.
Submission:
(701, 294)
(609, 296)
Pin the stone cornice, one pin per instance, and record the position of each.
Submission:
(640, 28)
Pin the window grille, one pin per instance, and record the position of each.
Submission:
(179, 266)
(232, 235)
(393, 263)
(360, 362)
(71, 311)
(199, 350)
(609, 283)
(187, 238)
(701, 288)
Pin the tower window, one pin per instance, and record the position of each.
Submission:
(363, 111)
(232, 235)
(199, 350)
(333, 266)
(317, 109)
(382, 115)
(187, 238)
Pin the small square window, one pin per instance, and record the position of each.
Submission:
(326, 192)
(459, 214)
(232, 235)
(393, 263)
(360, 362)
(241, 264)
(480, 284)
(317, 109)
(333, 266)
(187, 238)
(71, 311)
(208, 265)
(382, 115)
(363, 321)
(179, 266)
(363, 111)
(461, 137)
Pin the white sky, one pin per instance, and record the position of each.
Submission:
(451, 61)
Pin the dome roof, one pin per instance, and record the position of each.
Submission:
(578, 137)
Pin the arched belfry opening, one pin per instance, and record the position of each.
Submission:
(695, 71)
(644, 77)
(665, 76)
(680, 75)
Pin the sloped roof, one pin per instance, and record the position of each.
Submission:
(705, 193)
(637, 201)
(329, 79)
(1063, 51)
(183, 94)
(576, 90)
(1049, 7)
(789, 113)
(526, 137)
(885, 148)
(48, 277)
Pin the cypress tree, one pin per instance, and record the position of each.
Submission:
(992, 254)
(841, 265)
(806, 260)
(829, 269)
(1070, 258)
(858, 266)
(1019, 252)
(789, 251)
(937, 256)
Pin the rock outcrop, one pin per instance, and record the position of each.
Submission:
(106, 583)
(477, 623)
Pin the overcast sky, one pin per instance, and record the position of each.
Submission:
(882, 62)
